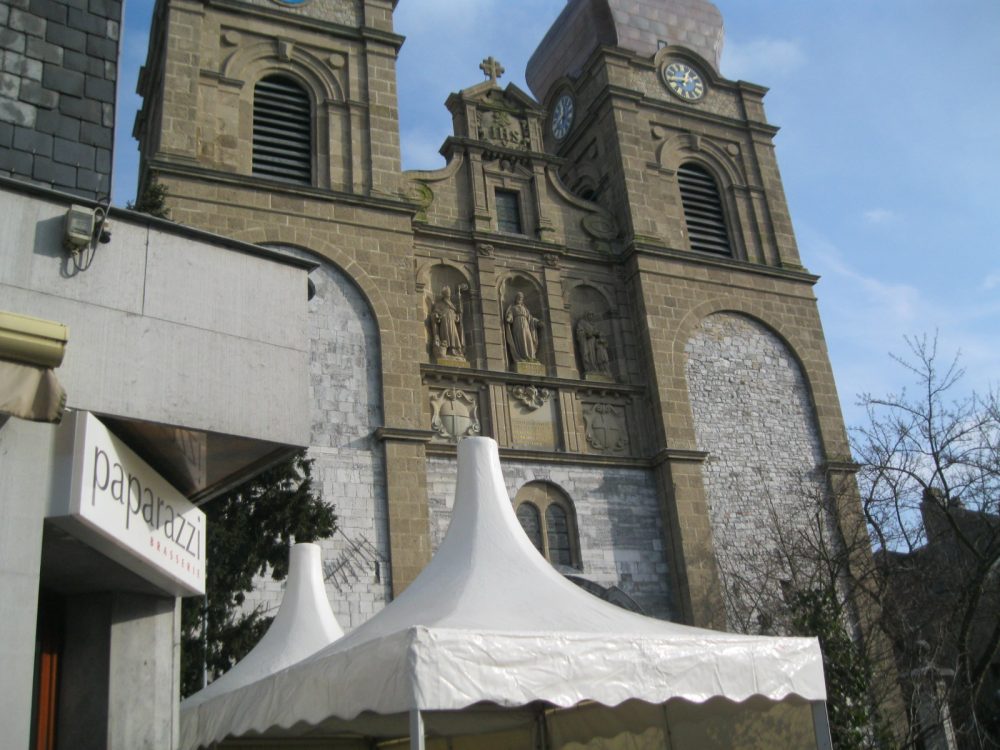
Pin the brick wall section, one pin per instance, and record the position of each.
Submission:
(58, 70)
(753, 416)
(617, 514)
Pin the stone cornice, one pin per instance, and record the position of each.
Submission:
(512, 242)
(484, 147)
(485, 377)
(841, 467)
(676, 455)
(177, 166)
(674, 109)
(403, 435)
(448, 450)
(643, 247)
(326, 27)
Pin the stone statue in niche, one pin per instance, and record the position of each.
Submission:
(593, 348)
(522, 329)
(447, 328)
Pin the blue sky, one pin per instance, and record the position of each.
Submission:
(889, 149)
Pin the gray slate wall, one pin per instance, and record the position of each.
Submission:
(58, 70)
(617, 514)
(753, 415)
(348, 462)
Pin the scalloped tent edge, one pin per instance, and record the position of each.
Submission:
(490, 637)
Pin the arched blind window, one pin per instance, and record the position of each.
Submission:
(706, 221)
(282, 130)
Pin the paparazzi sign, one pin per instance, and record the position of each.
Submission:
(132, 514)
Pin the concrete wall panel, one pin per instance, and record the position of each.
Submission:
(219, 290)
(140, 367)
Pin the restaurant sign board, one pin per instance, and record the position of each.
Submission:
(119, 505)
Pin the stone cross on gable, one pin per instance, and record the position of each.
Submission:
(491, 68)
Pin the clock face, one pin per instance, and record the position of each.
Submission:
(684, 81)
(562, 116)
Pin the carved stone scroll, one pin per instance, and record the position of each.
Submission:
(531, 397)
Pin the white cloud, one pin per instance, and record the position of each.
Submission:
(761, 59)
(880, 216)
(884, 304)
(865, 318)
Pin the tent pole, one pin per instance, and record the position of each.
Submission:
(416, 729)
(543, 726)
(821, 723)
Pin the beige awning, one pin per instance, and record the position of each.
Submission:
(29, 349)
(30, 392)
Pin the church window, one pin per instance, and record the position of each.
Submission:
(282, 130)
(703, 212)
(508, 212)
(557, 534)
(531, 521)
(549, 521)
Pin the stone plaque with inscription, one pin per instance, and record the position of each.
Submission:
(534, 426)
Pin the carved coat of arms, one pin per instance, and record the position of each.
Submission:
(454, 414)
(605, 424)
(503, 129)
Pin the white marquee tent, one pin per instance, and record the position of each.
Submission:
(304, 624)
(491, 647)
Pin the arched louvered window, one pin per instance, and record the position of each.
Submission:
(703, 212)
(546, 514)
(282, 130)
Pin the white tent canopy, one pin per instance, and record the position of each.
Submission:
(304, 624)
(490, 625)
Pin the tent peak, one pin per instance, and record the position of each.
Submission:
(304, 625)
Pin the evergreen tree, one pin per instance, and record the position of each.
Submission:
(249, 532)
(152, 200)
(854, 722)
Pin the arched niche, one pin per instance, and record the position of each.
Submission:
(593, 335)
(448, 315)
(524, 319)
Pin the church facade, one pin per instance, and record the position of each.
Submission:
(604, 278)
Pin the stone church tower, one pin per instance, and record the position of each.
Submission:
(604, 278)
